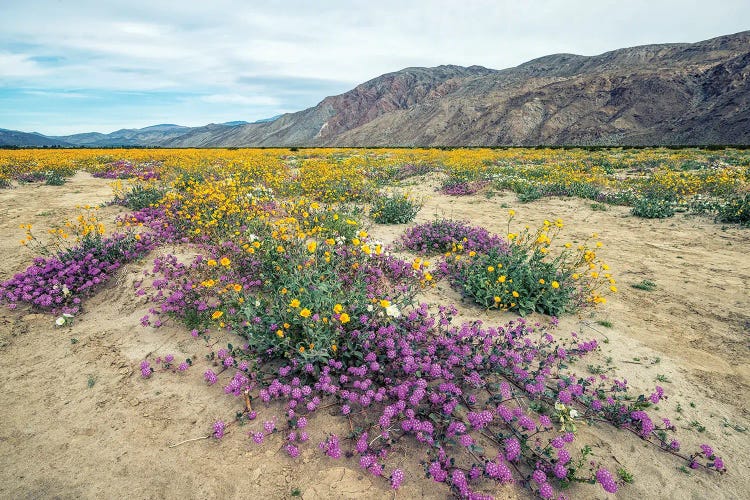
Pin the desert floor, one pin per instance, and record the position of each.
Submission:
(78, 421)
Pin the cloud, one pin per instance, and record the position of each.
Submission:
(20, 66)
(243, 100)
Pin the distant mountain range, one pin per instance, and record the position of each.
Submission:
(664, 94)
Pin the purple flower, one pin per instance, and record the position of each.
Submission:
(219, 427)
(539, 477)
(707, 450)
(546, 491)
(604, 478)
(146, 369)
(397, 476)
(292, 450)
(210, 377)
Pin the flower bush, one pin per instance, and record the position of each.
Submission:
(524, 276)
(394, 209)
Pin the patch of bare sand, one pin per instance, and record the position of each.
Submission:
(62, 438)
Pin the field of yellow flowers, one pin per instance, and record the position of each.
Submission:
(411, 322)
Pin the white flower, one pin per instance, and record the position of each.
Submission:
(573, 413)
(369, 308)
(65, 291)
(252, 237)
(60, 321)
(393, 311)
(559, 406)
(66, 315)
(257, 303)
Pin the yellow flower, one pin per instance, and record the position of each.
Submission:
(334, 348)
(225, 262)
(385, 303)
(312, 246)
(427, 277)
(301, 349)
(511, 213)
(501, 279)
(294, 303)
(555, 284)
(490, 269)
(338, 308)
(305, 313)
(576, 276)
(217, 314)
(541, 281)
(280, 249)
(344, 318)
(280, 333)
(497, 299)
(515, 294)
(599, 244)
(211, 262)
(237, 287)
(613, 288)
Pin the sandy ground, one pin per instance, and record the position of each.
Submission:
(78, 421)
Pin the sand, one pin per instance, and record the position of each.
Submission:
(78, 421)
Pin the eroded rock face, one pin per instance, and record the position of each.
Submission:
(656, 94)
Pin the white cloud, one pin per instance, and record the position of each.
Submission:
(19, 66)
(242, 100)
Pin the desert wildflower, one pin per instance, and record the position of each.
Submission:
(344, 318)
(305, 313)
(294, 303)
(217, 314)
(225, 262)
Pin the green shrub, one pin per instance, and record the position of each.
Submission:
(141, 196)
(524, 277)
(735, 210)
(395, 209)
(653, 208)
(54, 178)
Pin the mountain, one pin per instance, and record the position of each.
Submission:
(682, 93)
(655, 94)
(27, 139)
(147, 136)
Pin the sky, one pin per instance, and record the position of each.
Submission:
(70, 66)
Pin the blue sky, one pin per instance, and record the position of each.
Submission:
(69, 66)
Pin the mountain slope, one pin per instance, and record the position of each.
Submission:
(27, 139)
(654, 94)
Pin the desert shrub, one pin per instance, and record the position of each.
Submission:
(394, 209)
(78, 259)
(529, 193)
(735, 210)
(54, 178)
(653, 208)
(141, 196)
(621, 198)
(445, 235)
(525, 277)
